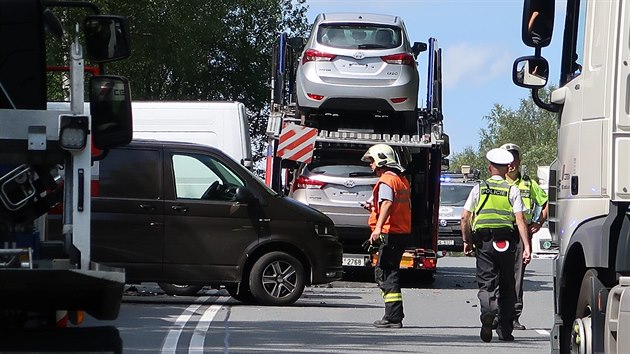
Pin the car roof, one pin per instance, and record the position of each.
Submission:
(358, 17)
(173, 144)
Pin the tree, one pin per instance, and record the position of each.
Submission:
(204, 49)
(530, 127)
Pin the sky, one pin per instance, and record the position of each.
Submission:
(480, 39)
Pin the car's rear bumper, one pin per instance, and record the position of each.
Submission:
(354, 97)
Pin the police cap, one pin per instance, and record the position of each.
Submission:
(511, 147)
(499, 156)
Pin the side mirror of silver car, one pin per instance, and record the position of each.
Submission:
(418, 47)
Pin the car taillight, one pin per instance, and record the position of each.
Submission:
(306, 183)
(315, 97)
(316, 55)
(400, 59)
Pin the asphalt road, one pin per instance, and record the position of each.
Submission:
(442, 317)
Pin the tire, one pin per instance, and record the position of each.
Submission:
(277, 279)
(582, 333)
(243, 294)
(179, 289)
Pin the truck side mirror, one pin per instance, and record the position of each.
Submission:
(417, 48)
(110, 108)
(107, 38)
(537, 27)
(530, 72)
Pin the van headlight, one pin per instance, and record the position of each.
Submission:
(326, 230)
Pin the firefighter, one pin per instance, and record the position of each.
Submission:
(532, 196)
(390, 221)
(495, 207)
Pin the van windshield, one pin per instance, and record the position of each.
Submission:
(454, 194)
(259, 181)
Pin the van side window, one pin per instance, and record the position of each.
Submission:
(130, 173)
(204, 177)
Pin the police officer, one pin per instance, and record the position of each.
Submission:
(495, 207)
(532, 196)
(390, 221)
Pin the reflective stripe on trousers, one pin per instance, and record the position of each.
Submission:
(392, 297)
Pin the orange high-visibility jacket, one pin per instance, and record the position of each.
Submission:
(399, 220)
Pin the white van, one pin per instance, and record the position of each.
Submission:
(223, 125)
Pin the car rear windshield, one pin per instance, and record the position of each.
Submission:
(359, 36)
(454, 194)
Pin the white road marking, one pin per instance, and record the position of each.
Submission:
(543, 332)
(170, 342)
(198, 339)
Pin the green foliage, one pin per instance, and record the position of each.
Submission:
(202, 49)
(530, 127)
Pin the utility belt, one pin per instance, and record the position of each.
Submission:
(499, 234)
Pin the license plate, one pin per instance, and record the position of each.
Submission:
(355, 261)
(446, 242)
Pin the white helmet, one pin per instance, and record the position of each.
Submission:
(511, 147)
(383, 155)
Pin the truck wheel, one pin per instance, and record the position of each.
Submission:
(179, 289)
(277, 279)
(582, 331)
(243, 294)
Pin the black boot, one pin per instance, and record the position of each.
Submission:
(387, 324)
(517, 325)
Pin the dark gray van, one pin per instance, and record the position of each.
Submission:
(178, 213)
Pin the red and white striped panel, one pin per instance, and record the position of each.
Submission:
(297, 143)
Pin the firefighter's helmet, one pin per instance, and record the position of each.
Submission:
(383, 156)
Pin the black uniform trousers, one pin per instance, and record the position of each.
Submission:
(495, 277)
(519, 273)
(387, 274)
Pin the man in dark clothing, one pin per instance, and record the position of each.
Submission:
(390, 221)
(494, 206)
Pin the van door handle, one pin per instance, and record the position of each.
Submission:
(148, 207)
(181, 209)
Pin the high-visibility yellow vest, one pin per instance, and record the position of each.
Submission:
(494, 209)
(524, 185)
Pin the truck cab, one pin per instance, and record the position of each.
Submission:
(589, 180)
(34, 144)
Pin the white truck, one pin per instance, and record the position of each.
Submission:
(46, 285)
(589, 183)
(220, 124)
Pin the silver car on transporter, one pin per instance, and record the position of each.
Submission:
(336, 183)
(359, 62)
